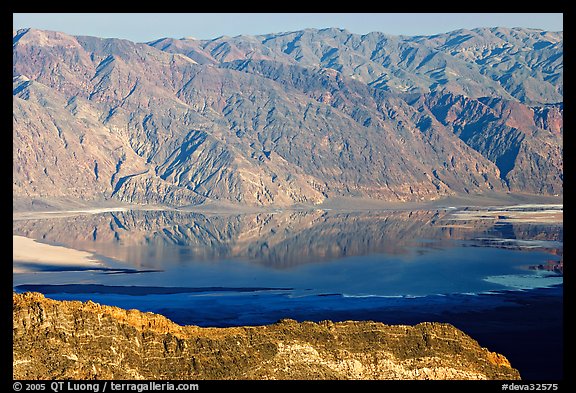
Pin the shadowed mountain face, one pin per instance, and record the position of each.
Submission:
(284, 119)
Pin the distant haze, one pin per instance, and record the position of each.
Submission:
(142, 27)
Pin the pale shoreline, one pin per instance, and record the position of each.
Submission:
(27, 251)
(31, 215)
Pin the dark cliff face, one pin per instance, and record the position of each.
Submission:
(77, 340)
(287, 118)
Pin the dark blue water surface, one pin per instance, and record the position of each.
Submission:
(397, 267)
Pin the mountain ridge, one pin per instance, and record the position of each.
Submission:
(281, 119)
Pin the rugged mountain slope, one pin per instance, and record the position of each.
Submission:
(185, 154)
(281, 119)
(524, 142)
(526, 64)
(74, 340)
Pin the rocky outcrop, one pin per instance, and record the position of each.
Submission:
(54, 339)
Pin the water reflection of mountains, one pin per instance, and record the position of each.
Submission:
(278, 240)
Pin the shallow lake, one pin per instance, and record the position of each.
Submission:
(491, 272)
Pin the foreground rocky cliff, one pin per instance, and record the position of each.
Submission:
(54, 339)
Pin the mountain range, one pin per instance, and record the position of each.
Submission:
(296, 118)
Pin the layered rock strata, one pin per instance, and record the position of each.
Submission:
(75, 340)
